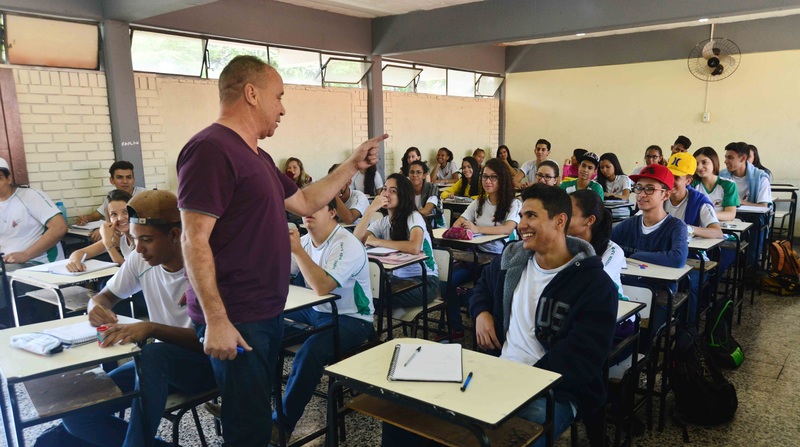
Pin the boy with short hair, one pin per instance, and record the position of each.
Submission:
(121, 176)
(587, 169)
(350, 203)
(688, 204)
(527, 173)
(752, 183)
(682, 144)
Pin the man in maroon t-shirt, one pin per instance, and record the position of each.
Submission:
(233, 199)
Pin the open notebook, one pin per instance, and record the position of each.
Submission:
(77, 334)
(60, 267)
(426, 363)
(91, 225)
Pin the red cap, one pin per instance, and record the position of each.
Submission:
(656, 172)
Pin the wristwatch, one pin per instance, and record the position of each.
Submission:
(689, 230)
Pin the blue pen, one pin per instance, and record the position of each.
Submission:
(239, 349)
(466, 382)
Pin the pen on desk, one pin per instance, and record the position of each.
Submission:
(239, 349)
(466, 382)
(413, 354)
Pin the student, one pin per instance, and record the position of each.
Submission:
(541, 152)
(176, 365)
(30, 224)
(652, 154)
(496, 211)
(426, 195)
(445, 170)
(504, 153)
(752, 184)
(367, 180)
(469, 183)
(122, 178)
(755, 160)
(329, 259)
(115, 234)
(616, 185)
(571, 165)
(688, 204)
(410, 155)
(721, 191)
(402, 228)
(591, 221)
(350, 203)
(547, 173)
(682, 144)
(588, 167)
(479, 155)
(295, 170)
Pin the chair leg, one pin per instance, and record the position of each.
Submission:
(199, 427)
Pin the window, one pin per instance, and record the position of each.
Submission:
(433, 81)
(399, 77)
(343, 70)
(296, 66)
(166, 53)
(487, 85)
(51, 43)
(220, 53)
(460, 83)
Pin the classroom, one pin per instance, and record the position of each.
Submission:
(84, 83)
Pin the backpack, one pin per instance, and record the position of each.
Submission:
(727, 353)
(702, 394)
(783, 260)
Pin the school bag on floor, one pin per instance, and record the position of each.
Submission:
(725, 350)
(703, 395)
(784, 275)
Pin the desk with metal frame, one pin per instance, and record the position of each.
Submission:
(701, 246)
(498, 389)
(738, 229)
(387, 309)
(792, 207)
(53, 282)
(22, 367)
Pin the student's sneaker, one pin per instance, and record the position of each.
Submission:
(214, 409)
(275, 438)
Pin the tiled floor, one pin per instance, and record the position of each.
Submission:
(767, 384)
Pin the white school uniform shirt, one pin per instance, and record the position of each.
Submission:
(485, 219)
(23, 219)
(613, 263)
(104, 206)
(618, 186)
(164, 292)
(125, 246)
(358, 201)
(344, 259)
(764, 191)
(722, 188)
(529, 168)
(707, 214)
(380, 229)
(432, 199)
(446, 172)
(358, 181)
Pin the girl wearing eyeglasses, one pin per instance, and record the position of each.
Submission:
(402, 228)
(653, 154)
(426, 194)
(469, 184)
(547, 173)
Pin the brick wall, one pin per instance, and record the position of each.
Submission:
(151, 132)
(67, 134)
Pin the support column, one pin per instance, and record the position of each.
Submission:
(121, 87)
(375, 107)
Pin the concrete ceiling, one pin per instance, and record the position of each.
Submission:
(375, 8)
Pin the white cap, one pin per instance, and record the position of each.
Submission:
(4, 164)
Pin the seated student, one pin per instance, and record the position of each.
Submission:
(350, 203)
(367, 180)
(652, 155)
(752, 184)
(547, 173)
(402, 228)
(588, 168)
(721, 191)
(755, 160)
(616, 185)
(30, 227)
(504, 153)
(329, 259)
(176, 364)
(546, 278)
(469, 183)
(496, 211)
(115, 234)
(682, 144)
(479, 155)
(122, 178)
(426, 195)
(571, 165)
(444, 170)
(526, 173)
(295, 170)
(412, 154)
(688, 204)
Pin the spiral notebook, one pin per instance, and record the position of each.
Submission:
(74, 334)
(433, 362)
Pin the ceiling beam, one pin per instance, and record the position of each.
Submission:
(502, 21)
(79, 9)
(135, 10)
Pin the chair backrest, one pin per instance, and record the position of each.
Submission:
(376, 278)
(444, 261)
(639, 295)
(447, 214)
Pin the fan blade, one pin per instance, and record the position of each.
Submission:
(710, 49)
(718, 70)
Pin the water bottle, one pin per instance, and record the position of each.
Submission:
(60, 206)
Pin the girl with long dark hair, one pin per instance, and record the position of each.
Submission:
(469, 184)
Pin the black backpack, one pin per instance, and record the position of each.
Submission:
(726, 351)
(702, 394)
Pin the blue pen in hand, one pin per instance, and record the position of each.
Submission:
(466, 382)
(239, 349)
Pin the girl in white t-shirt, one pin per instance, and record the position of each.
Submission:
(115, 234)
(402, 228)
(616, 185)
(445, 170)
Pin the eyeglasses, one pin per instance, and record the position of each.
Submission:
(415, 172)
(546, 177)
(648, 190)
(489, 178)
(651, 157)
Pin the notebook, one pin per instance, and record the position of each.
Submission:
(380, 251)
(426, 363)
(74, 334)
(60, 267)
(91, 225)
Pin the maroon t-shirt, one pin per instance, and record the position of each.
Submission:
(219, 175)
